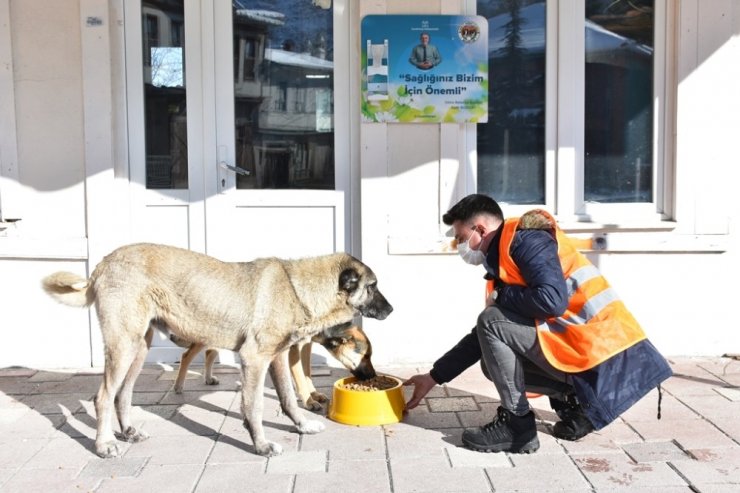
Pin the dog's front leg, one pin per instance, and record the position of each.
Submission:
(254, 370)
(281, 378)
(316, 396)
(301, 372)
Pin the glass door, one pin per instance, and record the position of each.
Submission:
(164, 123)
(233, 146)
(273, 172)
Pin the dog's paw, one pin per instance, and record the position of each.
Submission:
(310, 427)
(212, 381)
(132, 435)
(269, 449)
(319, 397)
(108, 449)
(313, 405)
(177, 389)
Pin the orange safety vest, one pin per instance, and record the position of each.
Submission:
(595, 326)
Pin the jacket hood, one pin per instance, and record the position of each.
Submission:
(536, 219)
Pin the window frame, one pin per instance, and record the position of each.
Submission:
(564, 127)
(11, 194)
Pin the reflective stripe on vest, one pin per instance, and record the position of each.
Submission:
(595, 326)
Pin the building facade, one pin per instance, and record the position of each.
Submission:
(236, 128)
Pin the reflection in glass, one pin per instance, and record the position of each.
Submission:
(511, 146)
(165, 118)
(283, 90)
(619, 109)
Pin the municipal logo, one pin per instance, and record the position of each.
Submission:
(468, 32)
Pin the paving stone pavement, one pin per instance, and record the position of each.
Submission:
(198, 443)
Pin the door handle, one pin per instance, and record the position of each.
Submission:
(235, 169)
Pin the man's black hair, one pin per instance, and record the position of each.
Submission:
(470, 206)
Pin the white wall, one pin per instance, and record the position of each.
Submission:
(45, 39)
(683, 299)
(680, 299)
(42, 70)
(37, 332)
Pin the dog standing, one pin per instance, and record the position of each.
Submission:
(258, 309)
(347, 343)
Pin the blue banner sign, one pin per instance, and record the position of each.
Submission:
(424, 68)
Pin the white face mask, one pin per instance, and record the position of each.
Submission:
(470, 256)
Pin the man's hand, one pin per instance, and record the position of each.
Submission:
(422, 385)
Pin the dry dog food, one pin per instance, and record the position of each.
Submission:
(380, 382)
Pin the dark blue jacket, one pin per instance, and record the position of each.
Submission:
(605, 391)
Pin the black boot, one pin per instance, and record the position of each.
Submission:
(506, 433)
(573, 423)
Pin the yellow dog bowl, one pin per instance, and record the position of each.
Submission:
(366, 408)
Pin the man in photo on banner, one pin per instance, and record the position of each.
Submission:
(424, 55)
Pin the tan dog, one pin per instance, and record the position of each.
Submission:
(347, 343)
(258, 309)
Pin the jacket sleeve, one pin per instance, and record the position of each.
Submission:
(455, 361)
(535, 252)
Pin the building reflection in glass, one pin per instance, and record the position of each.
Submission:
(284, 94)
(165, 109)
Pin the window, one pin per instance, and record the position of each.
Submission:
(511, 147)
(573, 124)
(150, 28)
(165, 119)
(280, 97)
(618, 120)
(283, 89)
(246, 61)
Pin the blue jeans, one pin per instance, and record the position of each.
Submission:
(511, 357)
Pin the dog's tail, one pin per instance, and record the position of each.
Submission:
(67, 288)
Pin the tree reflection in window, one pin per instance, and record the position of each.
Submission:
(618, 109)
(511, 146)
(165, 109)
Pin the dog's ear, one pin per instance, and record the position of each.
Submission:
(349, 279)
(333, 336)
(337, 331)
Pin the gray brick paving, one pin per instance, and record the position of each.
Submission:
(420, 474)
(247, 477)
(654, 452)
(440, 405)
(155, 477)
(198, 442)
(298, 462)
(116, 468)
(618, 472)
(171, 450)
(57, 403)
(545, 472)
(368, 476)
(424, 418)
(41, 480)
(348, 442)
(463, 457)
